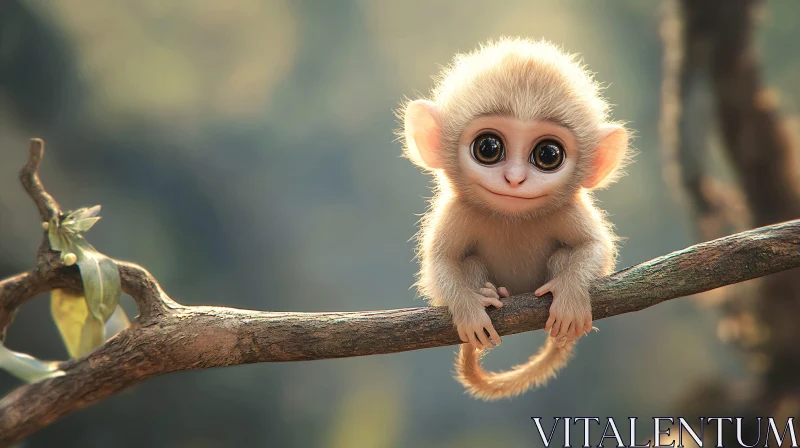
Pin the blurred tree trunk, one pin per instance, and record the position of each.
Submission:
(712, 77)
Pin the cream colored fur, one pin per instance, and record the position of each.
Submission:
(463, 245)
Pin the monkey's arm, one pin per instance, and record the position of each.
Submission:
(588, 255)
(449, 278)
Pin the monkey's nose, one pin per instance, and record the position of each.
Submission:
(515, 178)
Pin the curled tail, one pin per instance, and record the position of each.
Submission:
(495, 385)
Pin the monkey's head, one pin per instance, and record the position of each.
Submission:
(516, 127)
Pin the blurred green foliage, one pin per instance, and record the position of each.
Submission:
(244, 153)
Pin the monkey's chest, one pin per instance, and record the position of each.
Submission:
(521, 267)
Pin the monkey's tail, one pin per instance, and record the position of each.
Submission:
(495, 385)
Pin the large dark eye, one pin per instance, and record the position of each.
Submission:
(488, 149)
(548, 155)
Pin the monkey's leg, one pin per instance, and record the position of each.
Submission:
(475, 272)
(557, 263)
(570, 314)
(476, 327)
(555, 266)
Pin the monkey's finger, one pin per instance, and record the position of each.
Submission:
(487, 292)
(474, 341)
(565, 334)
(484, 338)
(503, 292)
(549, 324)
(587, 326)
(486, 301)
(582, 329)
(462, 335)
(564, 329)
(575, 330)
(556, 328)
(490, 286)
(495, 337)
(544, 289)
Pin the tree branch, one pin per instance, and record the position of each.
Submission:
(170, 337)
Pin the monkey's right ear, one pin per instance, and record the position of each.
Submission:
(423, 134)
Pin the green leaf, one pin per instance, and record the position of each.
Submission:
(26, 367)
(100, 275)
(81, 220)
(101, 283)
(56, 237)
(82, 225)
(85, 212)
(79, 329)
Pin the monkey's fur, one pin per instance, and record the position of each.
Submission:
(509, 225)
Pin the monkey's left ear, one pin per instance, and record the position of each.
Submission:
(423, 134)
(608, 156)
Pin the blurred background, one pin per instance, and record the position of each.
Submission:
(243, 152)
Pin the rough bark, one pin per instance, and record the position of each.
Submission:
(170, 337)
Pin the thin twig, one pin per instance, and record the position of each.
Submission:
(29, 176)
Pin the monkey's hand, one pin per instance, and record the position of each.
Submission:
(490, 295)
(571, 311)
(475, 327)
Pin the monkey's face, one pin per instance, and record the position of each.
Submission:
(516, 167)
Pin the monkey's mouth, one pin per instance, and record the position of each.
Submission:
(511, 195)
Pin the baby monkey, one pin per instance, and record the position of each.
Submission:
(517, 135)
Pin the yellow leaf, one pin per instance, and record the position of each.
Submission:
(79, 329)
